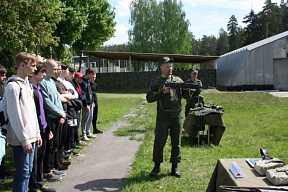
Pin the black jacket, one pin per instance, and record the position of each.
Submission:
(73, 106)
(85, 85)
(82, 96)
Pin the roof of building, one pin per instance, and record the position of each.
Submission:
(258, 43)
(230, 64)
(150, 56)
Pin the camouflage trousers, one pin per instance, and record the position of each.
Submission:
(163, 128)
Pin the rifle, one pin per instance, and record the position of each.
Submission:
(187, 85)
(177, 86)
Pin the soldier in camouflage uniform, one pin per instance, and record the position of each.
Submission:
(169, 116)
(193, 95)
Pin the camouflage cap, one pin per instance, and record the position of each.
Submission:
(165, 60)
(194, 71)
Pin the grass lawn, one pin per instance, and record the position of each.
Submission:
(253, 121)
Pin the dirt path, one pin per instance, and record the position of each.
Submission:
(279, 93)
(102, 165)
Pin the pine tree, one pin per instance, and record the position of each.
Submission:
(232, 28)
(271, 18)
(253, 30)
(222, 43)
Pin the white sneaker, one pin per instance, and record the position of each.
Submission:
(82, 143)
(51, 177)
(60, 173)
(91, 136)
(85, 138)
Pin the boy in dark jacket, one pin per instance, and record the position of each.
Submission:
(88, 105)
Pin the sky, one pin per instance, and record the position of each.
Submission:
(205, 17)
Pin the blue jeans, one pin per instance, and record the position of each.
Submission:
(2, 146)
(23, 163)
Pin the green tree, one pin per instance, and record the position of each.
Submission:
(27, 25)
(222, 43)
(115, 48)
(143, 18)
(271, 17)
(99, 28)
(241, 36)
(208, 45)
(253, 30)
(195, 45)
(159, 28)
(284, 21)
(174, 35)
(232, 28)
(70, 27)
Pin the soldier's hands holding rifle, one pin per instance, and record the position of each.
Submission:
(184, 88)
(166, 90)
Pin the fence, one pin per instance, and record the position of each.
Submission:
(139, 81)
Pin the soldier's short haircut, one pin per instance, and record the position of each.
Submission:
(90, 70)
(25, 58)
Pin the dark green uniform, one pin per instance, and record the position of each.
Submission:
(169, 116)
(192, 97)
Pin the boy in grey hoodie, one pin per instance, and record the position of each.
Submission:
(23, 132)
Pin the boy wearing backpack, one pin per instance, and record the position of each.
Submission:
(23, 132)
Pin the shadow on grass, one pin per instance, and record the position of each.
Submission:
(129, 132)
(137, 131)
(193, 142)
(189, 141)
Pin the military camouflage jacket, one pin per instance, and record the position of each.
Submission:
(193, 93)
(168, 105)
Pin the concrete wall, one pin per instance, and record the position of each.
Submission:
(139, 81)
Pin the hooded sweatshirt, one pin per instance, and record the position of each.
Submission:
(22, 128)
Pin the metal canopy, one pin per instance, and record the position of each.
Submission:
(150, 56)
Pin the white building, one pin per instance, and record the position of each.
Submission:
(261, 65)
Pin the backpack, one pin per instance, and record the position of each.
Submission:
(278, 176)
(3, 114)
(262, 167)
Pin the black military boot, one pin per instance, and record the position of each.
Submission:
(174, 170)
(155, 170)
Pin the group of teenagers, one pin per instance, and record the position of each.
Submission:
(46, 101)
